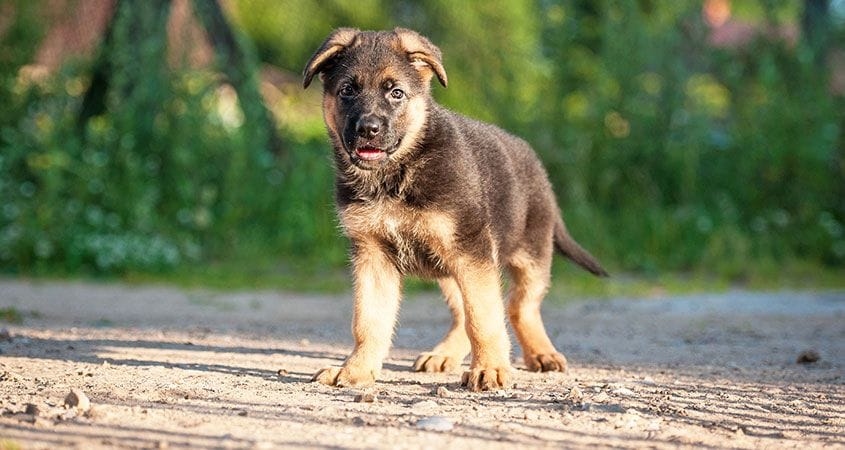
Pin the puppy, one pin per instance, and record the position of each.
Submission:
(423, 191)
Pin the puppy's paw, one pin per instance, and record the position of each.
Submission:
(546, 362)
(436, 362)
(487, 378)
(344, 377)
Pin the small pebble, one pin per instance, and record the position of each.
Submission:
(623, 391)
(93, 413)
(366, 397)
(282, 372)
(77, 399)
(603, 408)
(435, 423)
(361, 420)
(808, 357)
(425, 404)
(442, 392)
(5, 336)
(575, 395)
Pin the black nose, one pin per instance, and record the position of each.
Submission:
(368, 127)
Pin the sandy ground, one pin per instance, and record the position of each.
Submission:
(166, 368)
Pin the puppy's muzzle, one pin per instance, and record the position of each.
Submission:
(368, 127)
(371, 142)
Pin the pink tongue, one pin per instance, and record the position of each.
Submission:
(370, 153)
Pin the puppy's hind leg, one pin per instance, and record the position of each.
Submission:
(530, 276)
(451, 351)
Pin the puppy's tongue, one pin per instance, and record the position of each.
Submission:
(370, 153)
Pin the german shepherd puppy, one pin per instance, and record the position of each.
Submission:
(423, 191)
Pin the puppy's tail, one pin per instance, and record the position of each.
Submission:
(569, 248)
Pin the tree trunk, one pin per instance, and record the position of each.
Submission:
(815, 27)
(94, 101)
(239, 68)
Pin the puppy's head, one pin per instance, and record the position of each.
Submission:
(375, 91)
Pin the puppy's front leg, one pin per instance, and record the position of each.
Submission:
(377, 293)
(485, 324)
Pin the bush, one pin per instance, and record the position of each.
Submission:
(170, 174)
(678, 155)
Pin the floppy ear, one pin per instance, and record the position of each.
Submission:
(422, 54)
(337, 41)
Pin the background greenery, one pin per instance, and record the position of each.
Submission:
(669, 155)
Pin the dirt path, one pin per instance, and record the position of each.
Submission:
(165, 368)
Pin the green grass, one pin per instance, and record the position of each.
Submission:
(252, 274)
(568, 281)
(254, 270)
(11, 315)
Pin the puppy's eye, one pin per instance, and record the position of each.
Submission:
(397, 93)
(347, 90)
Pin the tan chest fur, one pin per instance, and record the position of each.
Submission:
(416, 237)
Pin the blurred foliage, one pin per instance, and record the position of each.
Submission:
(692, 157)
(667, 153)
(169, 175)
